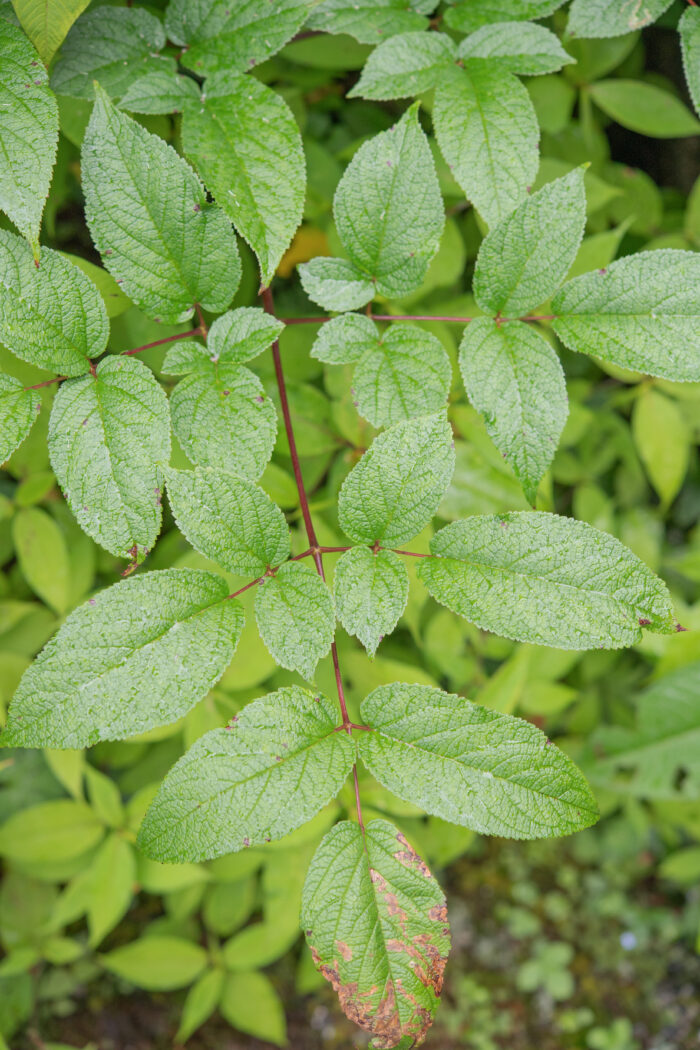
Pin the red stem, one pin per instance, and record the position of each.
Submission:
(47, 382)
(448, 319)
(409, 554)
(200, 330)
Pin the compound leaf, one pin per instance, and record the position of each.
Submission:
(405, 65)
(545, 579)
(396, 487)
(487, 131)
(295, 617)
(513, 378)
(139, 654)
(642, 312)
(371, 591)
(370, 21)
(149, 216)
(28, 132)
(221, 414)
(604, 18)
(18, 410)
(242, 334)
(523, 260)
(689, 29)
(113, 45)
(46, 22)
(52, 314)
(468, 15)
(109, 441)
(523, 48)
(376, 923)
(220, 35)
(245, 143)
(488, 771)
(273, 768)
(229, 520)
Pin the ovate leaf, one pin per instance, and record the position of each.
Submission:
(526, 49)
(149, 216)
(295, 617)
(39, 835)
(162, 91)
(405, 65)
(18, 410)
(468, 15)
(28, 132)
(109, 441)
(396, 487)
(689, 29)
(644, 108)
(221, 414)
(523, 260)
(514, 379)
(663, 439)
(370, 21)
(202, 999)
(232, 36)
(275, 766)
(242, 334)
(42, 554)
(545, 579)
(137, 655)
(389, 215)
(250, 1003)
(488, 771)
(371, 591)
(112, 45)
(344, 339)
(642, 312)
(246, 145)
(157, 963)
(46, 22)
(51, 315)
(487, 131)
(603, 18)
(111, 886)
(335, 284)
(376, 922)
(229, 520)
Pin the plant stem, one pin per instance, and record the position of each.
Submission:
(315, 550)
(200, 330)
(445, 318)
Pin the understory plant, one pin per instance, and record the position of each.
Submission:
(166, 218)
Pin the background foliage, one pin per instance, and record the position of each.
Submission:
(557, 945)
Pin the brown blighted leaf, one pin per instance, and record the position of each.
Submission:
(376, 922)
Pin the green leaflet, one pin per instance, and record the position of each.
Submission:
(395, 489)
(273, 768)
(468, 15)
(376, 922)
(51, 315)
(246, 145)
(644, 108)
(642, 312)
(663, 440)
(160, 92)
(658, 757)
(157, 963)
(544, 579)
(151, 221)
(242, 334)
(400, 373)
(689, 29)
(18, 410)
(250, 1004)
(28, 133)
(139, 654)
(295, 617)
(109, 441)
(221, 36)
(371, 591)
(229, 520)
(335, 284)
(370, 21)
(220, 412)
(523, 48)
(523, 260)
(46, 22)
(487, 131)
(42, 556)
(388, 212)
(405, 65)
(488, 771)
(514, 380)
(113, 45)
(603, 18)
